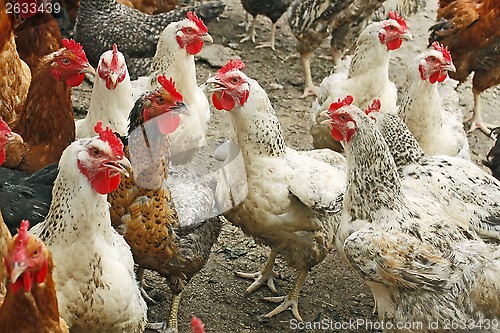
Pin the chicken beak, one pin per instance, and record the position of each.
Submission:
(324, 114)
(218, 85)
(207, 38)
(450, 67)
(87, 68)
(16, 270)
(114, 79)
(181, 108)
(120, 166)
(15, 137)
(407, 36)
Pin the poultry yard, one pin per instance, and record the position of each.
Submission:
(333, 293)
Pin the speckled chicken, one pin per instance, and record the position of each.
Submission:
(272, 9)
(365, 77)
(292, 195)
(161, 227)
(419, 264)
(95, 280)
(468, 194)
(134, 32)
(434, 116)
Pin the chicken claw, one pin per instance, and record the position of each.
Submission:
(289, 301)
(266, 273)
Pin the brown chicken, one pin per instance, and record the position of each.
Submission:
(4, 240)
(30, 305)
(142, 208)
(46, 121)
(470, 30)
(37, 36)
(15, 75)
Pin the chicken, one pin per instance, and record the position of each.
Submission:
(38, 35)
(434, 122)
(420, 266)
(469, 29)
(178, 44)
(197, 325)
(291, 195)
(111, 99)
(30, 305)
(311, 21)
(95, 280)
(493, 158)
(137, 43)
(365, 77)
(272, 9)
(15, 75)
(469, 195)
(46, 121)
(4, 240)
(143, 209)
(6, 137)
(154, 6)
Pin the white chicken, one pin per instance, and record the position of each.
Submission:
(174, 58)
(434, 116)
(420, 266)
(111, 98)
(95, 282)
(367, 76)
(468, 194)
(291, 195)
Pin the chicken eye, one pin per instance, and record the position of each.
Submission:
(65, 61)
(343, 117)
(35, 254)
(189, 30)
(160, 100)
(235, 79)
(391, 28)
(96, 152)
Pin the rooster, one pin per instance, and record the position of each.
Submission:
(30, 305)
(291, 195)
(143, 209)
(493, 158)
(111, 98)
(469, 29)
(433, 118)
(95, 282)
(311, 21)
(178, 44)
(365, 77)
(419, 264)
(15, 75)
(46, 121)
(137, 43)
(272, 9)
(446, 179)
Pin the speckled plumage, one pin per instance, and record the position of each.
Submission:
(94, 275)
(468, 194)
(135, 33)
(365, 77)
(433, 116)
(419, 264)
(292, 195)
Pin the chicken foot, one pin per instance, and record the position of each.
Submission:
(266, 274)
(251, 32)
(309, 88)
(143, 286)
(271, 42)
(291, 300)
(172, 326)
(476, 122)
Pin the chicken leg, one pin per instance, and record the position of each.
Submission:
(291, 300)
(273, 38)
(251, 32)
(476, 122)
(266, 273)
(309, 88)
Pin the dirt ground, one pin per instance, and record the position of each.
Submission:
(332, 292)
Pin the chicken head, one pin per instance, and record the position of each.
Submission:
(112, 67)
(192, 34)
(231, 86)
(70, 64)
(341, 122)
(435, 64)
(6, 136)
(393, 31)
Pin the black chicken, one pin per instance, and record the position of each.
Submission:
(26, 197)
(100, 23)
(493, 158)
(272, 9)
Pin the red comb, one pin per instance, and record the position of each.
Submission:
(232, 64)
(399, 19)
(3, 126)
(107, 135)
(169, 85)
(74, 47)
(197, 325)
(199, 23)
(22, 234)
(374, 106)
(443, 50)
(340, 103)
(114, 60)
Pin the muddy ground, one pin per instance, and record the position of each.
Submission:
(332, 291)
